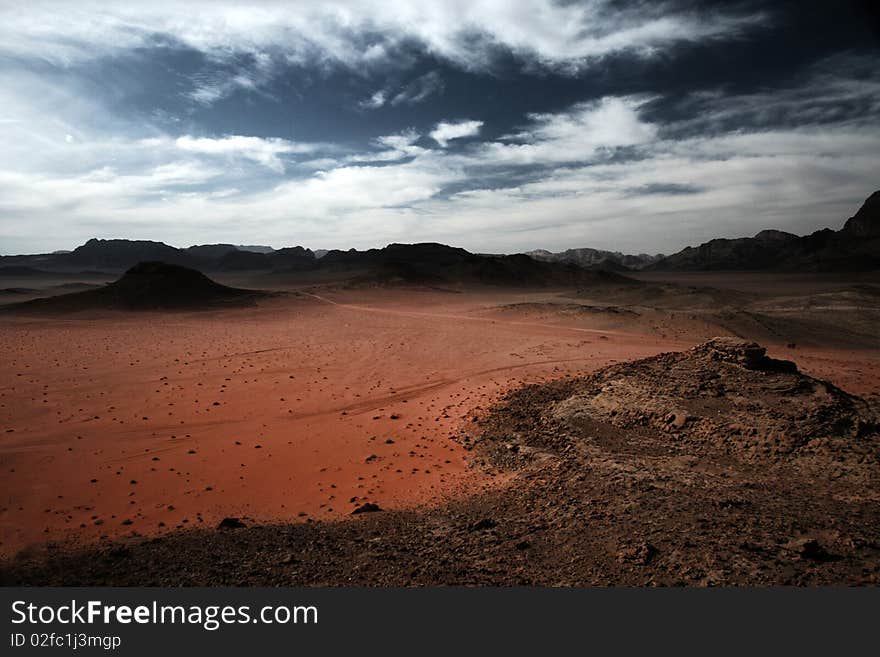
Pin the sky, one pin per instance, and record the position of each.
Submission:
(494, 125)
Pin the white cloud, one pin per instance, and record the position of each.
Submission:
(121, 178)
(742, 183)
(262, 151)
(419, 89)
(781, 177)
(105, 188)
(392, 147)
(416, 91)
(358, 33)
(445, 132)
(574, 135)
(251, 76)
(375, 101)
(353, 189)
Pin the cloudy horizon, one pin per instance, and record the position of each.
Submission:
(497, 127)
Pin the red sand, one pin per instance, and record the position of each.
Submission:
(148, 422)
(300, 409)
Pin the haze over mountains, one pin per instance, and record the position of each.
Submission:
(855, 247)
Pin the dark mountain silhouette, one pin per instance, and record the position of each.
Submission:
(855, 247)
(292, 257)
(237, 260)
(866, 222)
(431, 263)
(148, 286)
(121, 254)
(118, 255)
(426, 263)
(758, 252)
(210, 252)
(287, 259)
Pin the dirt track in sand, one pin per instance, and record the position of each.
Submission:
(304, 408)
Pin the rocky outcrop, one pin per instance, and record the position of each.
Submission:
(855, 247)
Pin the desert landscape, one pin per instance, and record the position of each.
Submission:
(422, 415)
(562, 293)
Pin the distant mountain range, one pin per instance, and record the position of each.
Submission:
(120, 255)
(427, 264)
(439, 264)
(854, 247)
(597, 259)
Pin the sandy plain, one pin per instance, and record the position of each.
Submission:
(309, 405)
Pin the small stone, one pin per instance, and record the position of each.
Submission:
(678, 419)
(807, 548)
(231, 523)
(366, 507)
(482, 525)
(288, 559)
(639, 553)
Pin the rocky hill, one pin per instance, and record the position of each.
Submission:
(855, 247)
(147, 286)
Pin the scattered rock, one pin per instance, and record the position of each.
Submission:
(366, 507)
(640, 553)
(724, 394)
(807, 548)
(757, 460)
(742, 352)
(677, 419)
(482, 525)
(231, 523)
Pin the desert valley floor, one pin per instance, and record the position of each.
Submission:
(121, 427)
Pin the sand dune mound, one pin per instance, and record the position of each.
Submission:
(150, 286)
(156, 284)
(725, 394)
